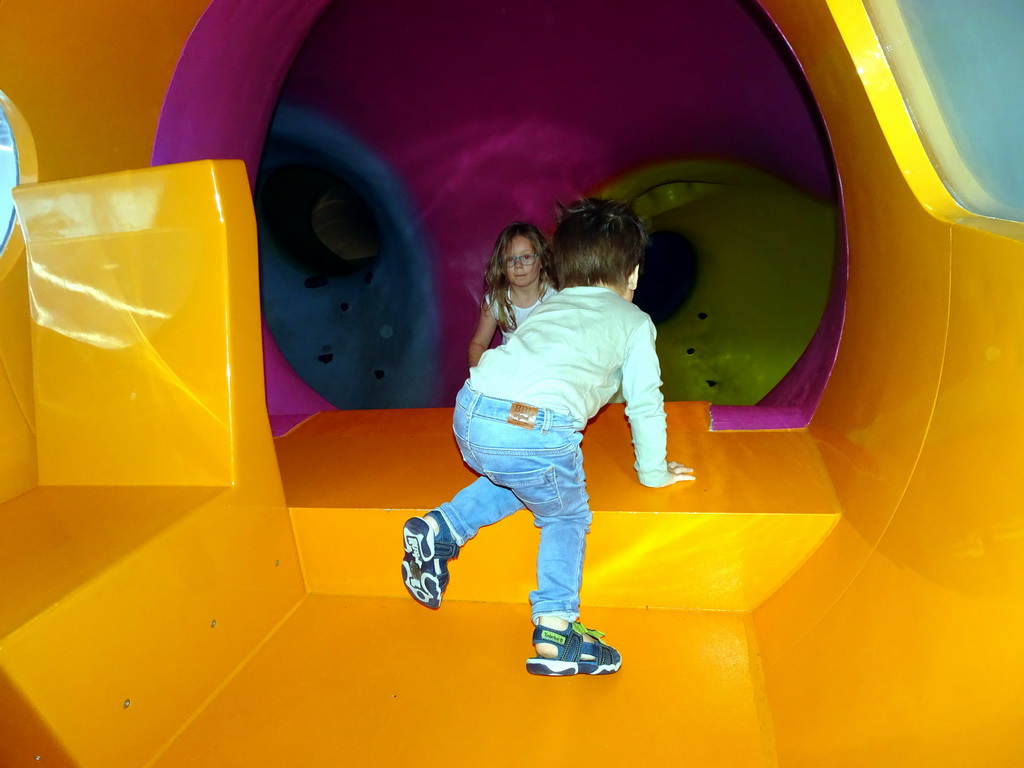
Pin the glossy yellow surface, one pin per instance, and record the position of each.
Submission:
(155, 610)
(89, 78)
(17, 411)
(126, 273)
(122, 271)
(120, 663)
(343, 682)
(18, 471)
(897, 643)
(83, 94)
(156, 552)
(59, 538)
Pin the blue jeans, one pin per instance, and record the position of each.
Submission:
(540, 469)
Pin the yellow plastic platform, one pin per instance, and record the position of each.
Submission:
(718, 544)
(178, 589)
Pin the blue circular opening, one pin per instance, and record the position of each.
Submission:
(345, 279)
(8, 178)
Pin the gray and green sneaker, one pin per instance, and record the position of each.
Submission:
(581, 651)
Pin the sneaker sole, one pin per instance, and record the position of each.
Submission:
(555, 668)
(425, 587)
(551, 667)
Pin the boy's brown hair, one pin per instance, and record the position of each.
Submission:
(597, 242)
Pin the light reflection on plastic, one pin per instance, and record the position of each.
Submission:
(104, 298)
(220, 205)
(65, 324)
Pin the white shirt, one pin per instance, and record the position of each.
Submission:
(572, 354)
(521, 313)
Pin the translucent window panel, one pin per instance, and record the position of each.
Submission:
(8, 178)
(960, 68)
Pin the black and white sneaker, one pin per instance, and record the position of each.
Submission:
(425, 564)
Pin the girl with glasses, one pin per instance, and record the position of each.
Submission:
(516, 282)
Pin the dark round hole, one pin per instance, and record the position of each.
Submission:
(320, 221)
(317, 281)
(668, 275)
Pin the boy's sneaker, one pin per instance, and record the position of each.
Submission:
(581, 651)
(425, 565)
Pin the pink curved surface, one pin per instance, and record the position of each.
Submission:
(490, 113)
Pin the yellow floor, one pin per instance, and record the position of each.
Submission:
(385, 682)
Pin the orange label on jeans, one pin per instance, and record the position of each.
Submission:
(522, 415)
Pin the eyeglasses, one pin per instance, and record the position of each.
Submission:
(525, 259)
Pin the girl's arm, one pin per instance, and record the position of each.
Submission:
(484, 335)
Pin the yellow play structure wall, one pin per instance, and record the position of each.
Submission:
(84, 98)
(146, 546)
(17, 409)
(156, 552)
(897, 643)
(90, 78)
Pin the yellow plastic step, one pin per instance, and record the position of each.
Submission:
(724, 542)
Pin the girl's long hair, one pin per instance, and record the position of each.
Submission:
(496, 283)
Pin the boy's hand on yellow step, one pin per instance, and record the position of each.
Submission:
(680, 473)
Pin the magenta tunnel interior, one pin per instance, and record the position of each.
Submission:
(479, 114)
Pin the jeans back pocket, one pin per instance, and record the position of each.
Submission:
(537, 489)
